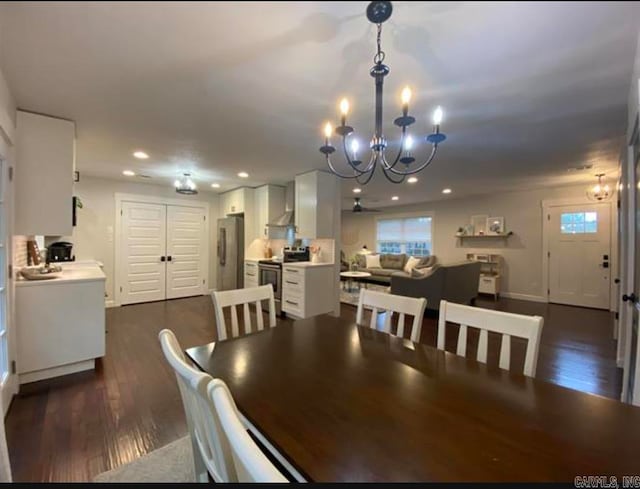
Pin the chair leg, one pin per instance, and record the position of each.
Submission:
(200, 469)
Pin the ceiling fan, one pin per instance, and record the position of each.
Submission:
(357, 206)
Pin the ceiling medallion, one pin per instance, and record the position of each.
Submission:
(185, 185)
(402, 165)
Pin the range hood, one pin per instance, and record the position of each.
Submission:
(288, 218)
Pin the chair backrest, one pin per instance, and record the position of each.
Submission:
(206, 434)
(244, 297)
(379, 301)
(504, 323)
(250, 463)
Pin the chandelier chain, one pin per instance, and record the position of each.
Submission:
(379, 56)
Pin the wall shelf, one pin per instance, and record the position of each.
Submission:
(484, 236)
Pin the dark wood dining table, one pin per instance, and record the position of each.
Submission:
(343, 402)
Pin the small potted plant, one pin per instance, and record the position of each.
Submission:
(460, 231)
(353, 263)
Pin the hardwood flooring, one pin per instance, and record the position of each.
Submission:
(74, 427)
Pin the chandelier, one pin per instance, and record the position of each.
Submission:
(184, 185)
(403, 163)
(599, 192)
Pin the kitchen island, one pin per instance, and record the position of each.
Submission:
(60, 322)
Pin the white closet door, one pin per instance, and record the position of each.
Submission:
(144, 228)
(185, 249)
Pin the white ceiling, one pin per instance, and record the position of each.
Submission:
(529, 89)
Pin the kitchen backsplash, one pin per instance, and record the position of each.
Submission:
(257, 246)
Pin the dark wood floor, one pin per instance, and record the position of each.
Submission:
(74, 427)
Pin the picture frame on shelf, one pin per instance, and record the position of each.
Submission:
(495, 225)
(479, 223)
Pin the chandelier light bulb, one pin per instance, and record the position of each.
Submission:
(437, 116)
(406, 95)
(328, 130)
(344, 106)
(408, 143)
(354, 147)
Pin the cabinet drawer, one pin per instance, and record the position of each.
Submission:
(293, 306)
(250, 281)
(292, 274)
(487, 284)
(292, 291)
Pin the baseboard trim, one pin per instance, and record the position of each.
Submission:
(523, 297)
(48, 373)
(109, 303)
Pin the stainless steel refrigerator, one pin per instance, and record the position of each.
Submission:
(230, 253)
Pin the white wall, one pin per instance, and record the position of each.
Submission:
(522, 252)
(94, 235)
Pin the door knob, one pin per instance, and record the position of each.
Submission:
(163, 258)
(616, 281)
(169, 258)
(630, 298)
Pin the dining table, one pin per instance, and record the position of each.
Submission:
(332, 401)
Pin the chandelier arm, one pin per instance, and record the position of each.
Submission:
(391, 179)
(416, 170)
(373, 161)
(395, 162)
(336, 172)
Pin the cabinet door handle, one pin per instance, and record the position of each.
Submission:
(163, 258)
(251, 274)
(291, 302)
(290, 270)
(292, 283)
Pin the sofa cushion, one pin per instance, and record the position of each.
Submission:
(379, 272)
(415, 273)
(427, 261)
(395, 262)
(373, 261)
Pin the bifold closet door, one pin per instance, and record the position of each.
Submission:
(185, 251)
(143, 242)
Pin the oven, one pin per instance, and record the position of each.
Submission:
(270, 272)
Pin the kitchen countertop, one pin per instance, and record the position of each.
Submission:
(306, 264)
(82, 272)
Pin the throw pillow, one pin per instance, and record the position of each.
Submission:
(360, 260)
(427, 261)
(411, 264)
(415, 273)
(373, 261)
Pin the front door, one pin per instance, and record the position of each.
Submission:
(185, 251)
(143, 252)
(580, 255)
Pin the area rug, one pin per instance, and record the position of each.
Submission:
(351, 296)
(171, 463)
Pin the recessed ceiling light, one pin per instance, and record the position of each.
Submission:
(357, 190)
(129, 173)
(243, 174)
(215, 185)
(446, 191)
(412, 179)
(395, 197)
(141, 155)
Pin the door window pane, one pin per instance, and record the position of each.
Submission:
(578, 222)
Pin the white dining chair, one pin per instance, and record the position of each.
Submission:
(211, 451)
(505, 323)
(243, 297)
(251, 465)
(379, 301)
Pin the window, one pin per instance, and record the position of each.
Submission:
(578, 222)
(410, 235)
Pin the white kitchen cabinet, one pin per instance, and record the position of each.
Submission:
(60, 322)
(45, 153)
(237, 201)
(251, 273)
(316, 199)
(269, 204)
(307, 289)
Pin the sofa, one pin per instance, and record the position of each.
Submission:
(391, 265)
(455, 282)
